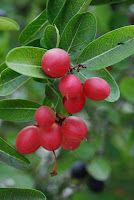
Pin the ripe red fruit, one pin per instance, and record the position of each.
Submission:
(51, 137)
(70, 86)
(76, 104)
(74, 128)
(27, 141)
(45, 116)
(69, 144)
(55, 62)
(96, 89)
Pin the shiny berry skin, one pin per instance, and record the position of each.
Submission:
(45, 116)
(74, 105)
(51, 137)
(74, 128)
(27, 141)
(96, 89)
(78, 170)
(70, 86)
(55, 62)
(69, 144)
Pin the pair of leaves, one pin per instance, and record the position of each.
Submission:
(7, 24)
(59, 13)
(109, 49)
(20, 194)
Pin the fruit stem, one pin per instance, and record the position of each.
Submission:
(77, 67)
(54, 173)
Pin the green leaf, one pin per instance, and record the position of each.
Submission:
(21, 194)
(18, 110)
(33, 28)
(99, 2)
(127, 88)
(7, 24)
(69, 9)
(3, 66)
(108, 49)
(80, 31)
(99, 168)
(26, 61)
(53, 9)
(53, 96)
(11, 157)
(104, 74)
(11, 81)
(51, 37)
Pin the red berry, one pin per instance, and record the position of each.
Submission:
(55, 62)
(51, 137)
(96, 89)
(45, 116)
(70, 86)
(69, 144)
(27, 141)
(74, 128)
(76, 104)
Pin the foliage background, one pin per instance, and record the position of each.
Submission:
(111, 125)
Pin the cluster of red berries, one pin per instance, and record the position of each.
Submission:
(51, 132)
(56, 63)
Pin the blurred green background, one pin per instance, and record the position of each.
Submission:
(111, 125)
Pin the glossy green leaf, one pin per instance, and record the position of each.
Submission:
(127, 88)
(80, 31)
(99, 168)
(108, 49)
(7, 24)
(104, 74)
(99, 2)
(53, 9)
(21, 194)
(53, 96)
(33, 28)
(11, 157)
(70, 9)
(11, 81)
(51, 37)
(3, 66)
(26, 61)
(18, 110)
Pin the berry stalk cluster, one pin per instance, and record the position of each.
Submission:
(53, 131)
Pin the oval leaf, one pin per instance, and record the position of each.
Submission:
(99, 168)
(11, 157)
(80, 31)
(53, 9)
(21, 194)
(7, 24)
(11, 81)
(69, 9)
(33, 28)
(109, 49)
(26, 61)
(99, 2)
(51, 37)
(17, 110)
(104, 74)
(127, 88)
